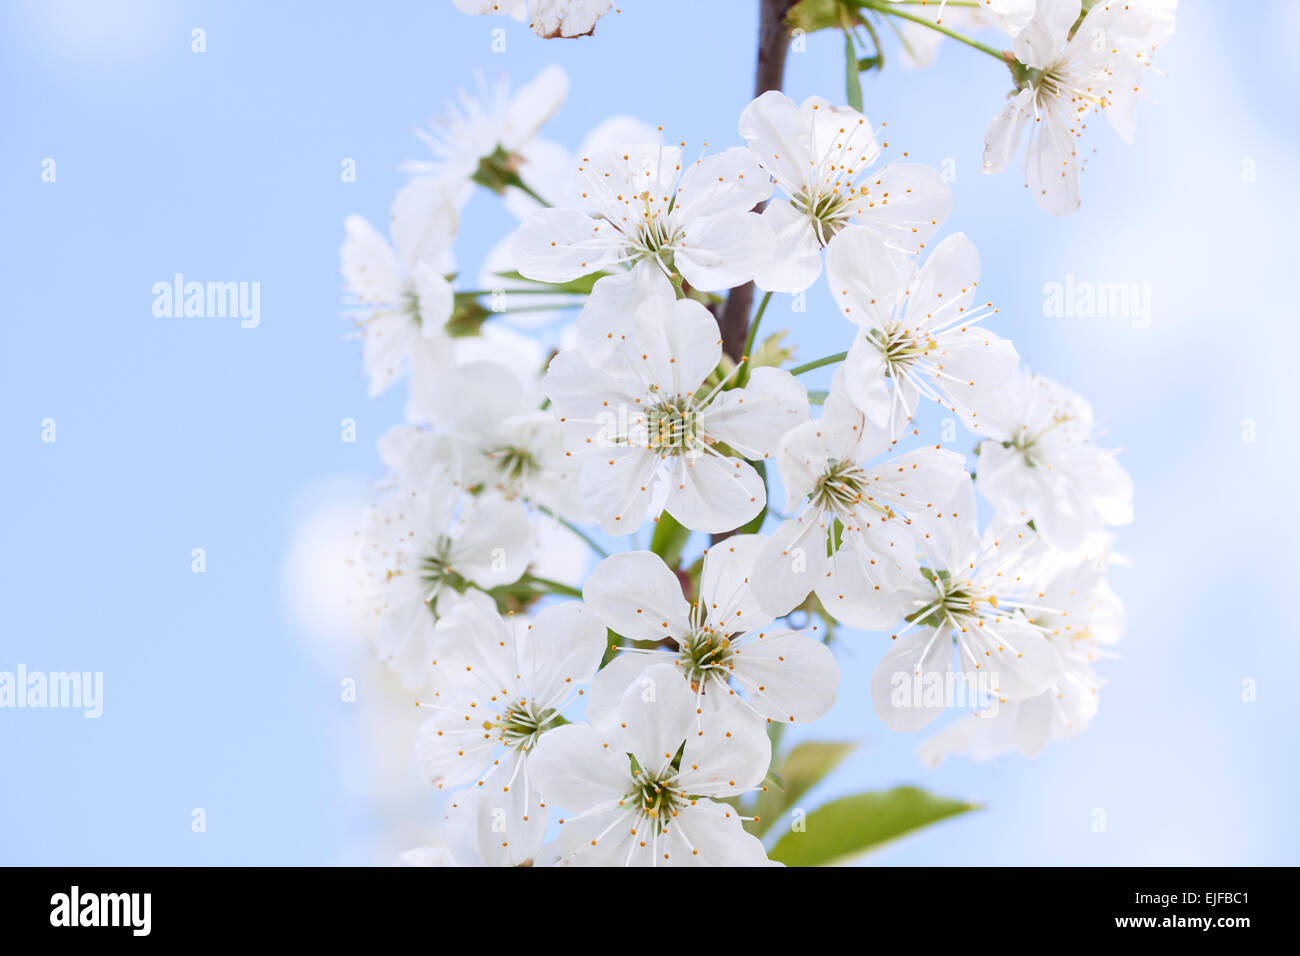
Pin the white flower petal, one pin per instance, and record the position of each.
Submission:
(713, 493)
(917, 663)
(865, 280)
(495, 543)
(1004, 131)
(796, 254)
(724, 182)
(787, 676)
(775, 129)
(657, 715)
(560, 245)
(603, 318)
(617, 485)
(725, 756)
(905, 203)
(792, 563)
(724, 250)
(563, 649)
(711, 834)
(725, 590)
(576, 769)
(754, 419)
(636, 595)
(606, 690)
(675, 345)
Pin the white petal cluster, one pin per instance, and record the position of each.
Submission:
(653, 216)
(547, 18)
(499, 686)
(398, 292)
(1069, 69)
(1040, 463)
(616, 709)
(728, 649)
(645, 429)
(823, 159)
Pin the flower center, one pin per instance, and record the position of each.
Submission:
(657, 798)
(955, 598)
(901, 347)
(521, 724)
(411, 306)
(514, 464)
(1056, 82)
(840, 488)
(828, 209)
(672, 427)
(704, 654)
(656, 237)
(435, 571)
(1024, 442)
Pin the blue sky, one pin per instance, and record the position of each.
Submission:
(222, 691)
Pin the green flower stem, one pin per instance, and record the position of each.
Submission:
(539, 308)
(528, 191)
(574, 528)
(883, 6)
(828, 360)
(551, 587)
(752, 336)
(478, 292)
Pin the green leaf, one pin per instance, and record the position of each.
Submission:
(801, 769)
(771, 352)
(810, 15)
(852, 80)
(579, 286)
(669, 539)
(838, 831)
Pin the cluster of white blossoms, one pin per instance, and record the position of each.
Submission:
(546, 18)
(1071, 61)
(617, 710)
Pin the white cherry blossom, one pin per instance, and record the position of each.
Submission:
(822, 157)
(875, 512)
(968, 621)
(1039, 463)
(502, 441)
(650, 215)
(424, 550)
(514, 353)
(728, 650)
(552, 170)
(1066, 74)
(642, 789)
(399, 295)
(491, 121)
(641, 415)
(1082, 618)
(547, 18)
(919, 329)
(498, 688)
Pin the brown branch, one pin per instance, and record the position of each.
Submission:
(769, 73)
(773, 44)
